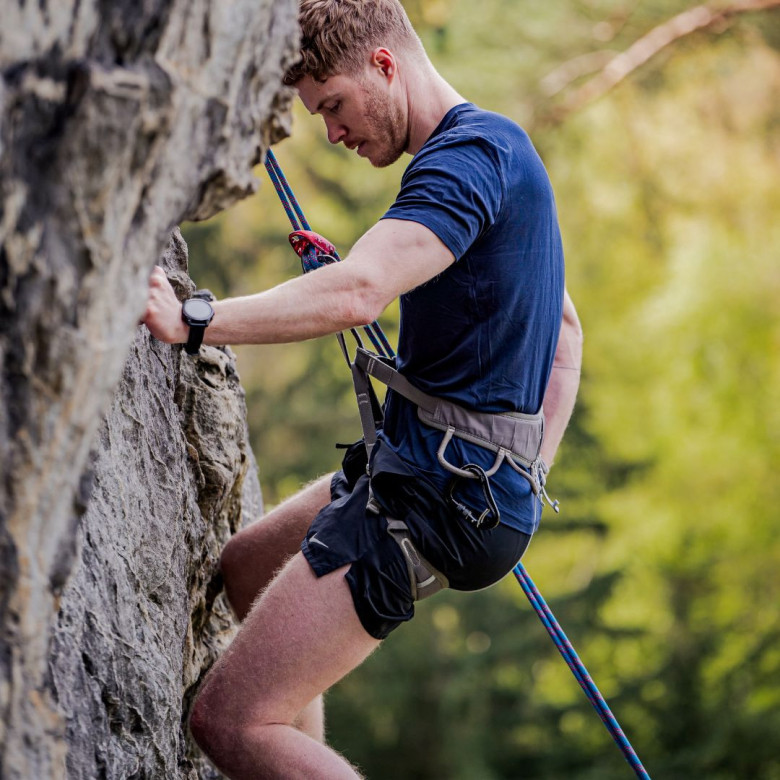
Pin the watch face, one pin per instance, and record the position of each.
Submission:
(197, 309)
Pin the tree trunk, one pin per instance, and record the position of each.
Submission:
(124, 465)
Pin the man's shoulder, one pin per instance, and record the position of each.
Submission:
(471, 130)
(470, 120)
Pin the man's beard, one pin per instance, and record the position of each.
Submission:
(386, 125)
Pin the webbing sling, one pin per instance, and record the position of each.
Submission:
(544, 613)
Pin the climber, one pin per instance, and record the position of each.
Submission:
(472, 247)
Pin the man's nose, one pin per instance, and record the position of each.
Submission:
(336, 131)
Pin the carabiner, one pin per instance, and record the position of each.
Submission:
(491, 516)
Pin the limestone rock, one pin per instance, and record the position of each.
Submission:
(141, 617)
(117, 122)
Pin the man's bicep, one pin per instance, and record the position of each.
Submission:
(397, 255)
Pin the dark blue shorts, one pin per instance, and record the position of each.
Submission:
(345, 532)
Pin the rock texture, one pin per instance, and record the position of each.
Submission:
(118, 121)
(141, 617)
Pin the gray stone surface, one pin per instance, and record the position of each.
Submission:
(122, 467)
(142, 617)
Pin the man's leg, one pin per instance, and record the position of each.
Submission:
(301, 636)
(256, 553)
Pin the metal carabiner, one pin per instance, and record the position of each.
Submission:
(491, 516)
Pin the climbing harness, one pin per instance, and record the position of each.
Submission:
(515, 439)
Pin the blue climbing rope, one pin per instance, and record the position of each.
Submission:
(578, 669)
(285, 193)
(313, 257)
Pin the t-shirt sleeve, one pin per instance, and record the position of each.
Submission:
(454, 189)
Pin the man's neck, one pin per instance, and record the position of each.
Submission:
(429, 98)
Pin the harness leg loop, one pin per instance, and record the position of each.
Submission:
(425, 579)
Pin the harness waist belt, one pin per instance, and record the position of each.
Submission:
(516, 434)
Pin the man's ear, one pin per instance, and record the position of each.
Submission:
(384, 60)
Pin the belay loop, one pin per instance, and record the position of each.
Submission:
(379, 340)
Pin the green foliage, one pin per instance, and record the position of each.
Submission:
(664, 567)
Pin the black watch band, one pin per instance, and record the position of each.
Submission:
(197, 313)
(195, 339)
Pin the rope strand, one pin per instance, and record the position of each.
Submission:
(569, 655)
(275, 180)
(288, 198)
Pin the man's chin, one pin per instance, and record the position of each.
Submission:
(385, 160)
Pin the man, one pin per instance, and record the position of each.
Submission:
(472, 247)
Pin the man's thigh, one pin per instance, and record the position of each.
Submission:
(256, 553)
(301, 636)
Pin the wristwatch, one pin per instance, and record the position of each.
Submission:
(197, 312)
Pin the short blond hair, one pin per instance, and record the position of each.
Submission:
(336, 35)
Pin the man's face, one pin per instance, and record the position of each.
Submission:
(360, 113)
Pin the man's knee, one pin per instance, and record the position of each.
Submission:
(233, 557)
(208, 727)
(213, 726)
(220, 729)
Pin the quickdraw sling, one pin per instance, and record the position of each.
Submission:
(515, 438)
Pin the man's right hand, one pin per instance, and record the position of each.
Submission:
(163, 310)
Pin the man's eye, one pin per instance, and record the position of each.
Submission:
(334, 109)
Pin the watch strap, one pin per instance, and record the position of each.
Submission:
(195, 339)
(197, 330)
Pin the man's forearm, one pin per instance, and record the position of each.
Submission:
(332, 298)
(393, 257)
(322, 302)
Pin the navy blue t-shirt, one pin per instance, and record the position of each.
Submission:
(483, 333)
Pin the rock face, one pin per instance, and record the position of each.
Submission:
(123, 465)
(141, 617)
